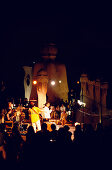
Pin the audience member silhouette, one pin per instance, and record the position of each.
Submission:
(68, 134)
(16, 143)
(2, 144)
(30, 135)
(88, 145)
(53, 133)
(78, 134)
(45, 134)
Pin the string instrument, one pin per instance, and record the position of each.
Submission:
(40, 116)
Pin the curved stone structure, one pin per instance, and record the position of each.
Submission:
(44, 73)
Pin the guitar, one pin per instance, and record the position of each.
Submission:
(40, 116)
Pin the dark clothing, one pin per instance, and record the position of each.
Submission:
(53, 135)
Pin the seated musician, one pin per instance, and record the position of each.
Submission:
(35, 116)
(17, 114)
(63, 114)
(9, 111)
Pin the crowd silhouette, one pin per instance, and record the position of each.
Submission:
(55, 148)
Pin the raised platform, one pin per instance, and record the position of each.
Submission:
(56, 121)
(58, 124)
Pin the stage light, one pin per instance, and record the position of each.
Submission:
(77, 123)
(34, 82)
(81, 103)
(59, 81)
(53, 83)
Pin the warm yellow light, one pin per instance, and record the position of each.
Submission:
(81, 103)
(77, 123)
(59, 81)
(78, 82)
(34, 82)
(52, 83)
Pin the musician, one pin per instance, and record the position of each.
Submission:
(53, 113)
(47, 111)
(63, 110)
(17, 114)
(35, 117)
(58, 111)
(63, 114)
(10, 111)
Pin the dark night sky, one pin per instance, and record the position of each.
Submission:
(82, 33)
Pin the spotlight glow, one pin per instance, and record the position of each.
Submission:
(34, 82)
(59, 81)
(81, 103)
(77, 123)
(52, 83)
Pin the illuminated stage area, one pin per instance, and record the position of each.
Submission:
(58, 125)
(49, 123)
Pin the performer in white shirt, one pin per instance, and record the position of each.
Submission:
(46, 112)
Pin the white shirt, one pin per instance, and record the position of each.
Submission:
(62, 108)
(46, 113)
